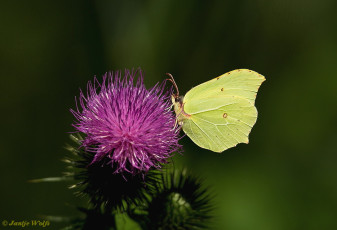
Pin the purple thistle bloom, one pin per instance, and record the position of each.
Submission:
(132, 126)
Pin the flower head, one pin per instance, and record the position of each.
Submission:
(127, 123)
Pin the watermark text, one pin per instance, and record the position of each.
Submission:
(25, 223)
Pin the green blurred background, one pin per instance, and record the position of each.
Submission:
(286, 178)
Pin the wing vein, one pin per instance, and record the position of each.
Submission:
(249, 90)
(208, 110)
(206, 133)
(234, 135)
(223, 137)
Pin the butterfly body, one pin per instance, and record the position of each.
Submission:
(179, 109)
(220, 113)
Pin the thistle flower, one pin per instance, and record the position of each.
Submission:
(128, 124)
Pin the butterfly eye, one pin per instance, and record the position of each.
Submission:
(177, 99)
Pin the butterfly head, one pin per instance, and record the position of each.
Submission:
(177, 99)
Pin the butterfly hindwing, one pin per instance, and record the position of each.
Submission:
(219, 122)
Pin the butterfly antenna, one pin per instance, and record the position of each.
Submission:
(171, 79)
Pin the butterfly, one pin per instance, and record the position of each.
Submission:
(220, 113)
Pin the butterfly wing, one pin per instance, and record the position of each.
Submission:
(242, 83)
(220, 122)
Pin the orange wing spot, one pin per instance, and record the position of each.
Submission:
(224, 115)
(221, 89)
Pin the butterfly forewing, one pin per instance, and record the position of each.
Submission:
(240, 83)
